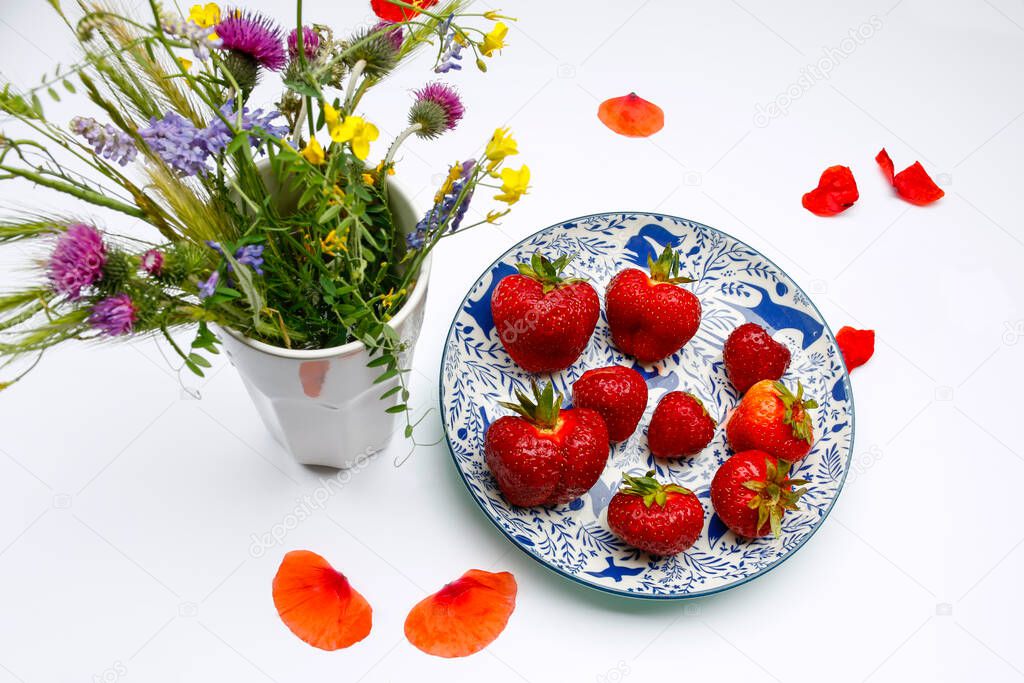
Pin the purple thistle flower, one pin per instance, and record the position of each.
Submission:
(251, 255)
(217, 135)
(253, 35)
(115, 315)
(105, 140)
(77, 261)
(446, 98)
(310, 43)
(152, 262)
(180, 144)
(394, 36)
(209, 286)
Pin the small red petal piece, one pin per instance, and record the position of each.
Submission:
(388, 11)
(835, 193)
(465, 616)
(318, 604)
(912, 183)
(632, 116)
(856, 345)
(885, 162)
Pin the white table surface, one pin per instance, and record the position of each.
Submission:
(128, 508)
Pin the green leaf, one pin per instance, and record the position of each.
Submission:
(328, 215)
(199, 360)
(400, 408)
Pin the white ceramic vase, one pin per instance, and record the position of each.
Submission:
(322, 404)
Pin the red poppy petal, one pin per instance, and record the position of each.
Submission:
(915, 185)
(632, 116)
(389, 11)
(856, 345)
(465, 616)
(318, 604)
(886, 164)
(836, 192)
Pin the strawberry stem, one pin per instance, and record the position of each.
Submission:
(796, 415)
(773, 495)
(649, 488)
(542, 410)
(546, 272)
(666, 268)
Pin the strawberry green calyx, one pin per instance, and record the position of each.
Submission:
(542, 409)
(797, 416)
(649, 488)
(666, 268)
(548, 273)
(773, 495)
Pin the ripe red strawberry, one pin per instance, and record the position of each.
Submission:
(750, 355)
(544, 321)
(618, 393)
(770, 418)
(662, 519)
(546, 455)
(680, 426)
(751, 492)
(651, 317)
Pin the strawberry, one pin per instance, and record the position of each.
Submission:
(680, 426)
(750, 355)
(545, 455)
(544, 321)
(618, 393)
(651, 317)
(772, 419)
(751, 492)
(662, 519)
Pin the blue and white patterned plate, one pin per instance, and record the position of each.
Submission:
(735, 284)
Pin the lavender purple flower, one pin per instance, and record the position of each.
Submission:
(251, 255)
(217, 135)
(178, 142)
(209, 286)
(444, 209)
(105, 140)
(197, 37)
(255, 36)
(310, 43)
(115, 315)
(451, 50)
(77, 261)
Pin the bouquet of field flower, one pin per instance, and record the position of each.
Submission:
(274, 222)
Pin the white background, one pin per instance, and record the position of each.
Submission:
(127, 507)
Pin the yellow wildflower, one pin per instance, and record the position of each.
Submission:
(514, 184)
(333, 243)
(493, 216)
(204, 15)
(454, 173)
(495, 40)
(368, 179)
(313, 152)
(380, 168)
(500, 146)
(460, 39)
(356, 130)
(186, 64)
(495, 14)
(332, 117)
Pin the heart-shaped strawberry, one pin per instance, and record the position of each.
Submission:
(544, 320)
(545, 455)
(652, 317)
(751, 355)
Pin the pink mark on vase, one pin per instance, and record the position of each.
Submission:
(312, 374)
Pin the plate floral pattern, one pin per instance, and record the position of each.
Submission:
(735, 284)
